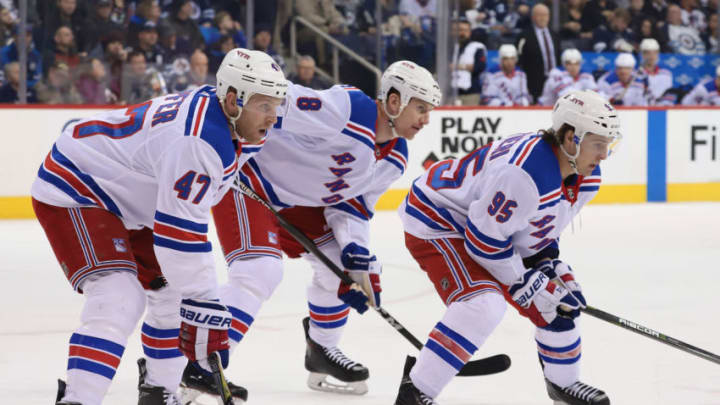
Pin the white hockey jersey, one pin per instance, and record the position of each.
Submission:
(635, 93)
(659, 80)
(320, 152)
(160, 164)
(349, 219)
(500, 89)
(705, 93)
(506, 199)
(559, 83)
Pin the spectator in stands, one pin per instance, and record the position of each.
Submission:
(148, 45)
(418, 8)
(305, 74)
(648, 30)
(196, 76)
(57, 87)
(114, 58)
(146, 10)
(97, 25)
(711, 36)
(417, 35)
(617, 35)
(637, 14)
(64, 13)
(705, 93)
(680, 38)
(624, 86)
(505, 21)
(263, 42)
(469, 61)
(140, 82)
(219, 50)
(692, 15)
(188, 33)
(169, 44)
(92, 83)
(657, 10)
(659, 79)
(571, 22)
(562, 81)
(64, 49)
(227, 26)
(506, 85)
(597, 13)
(537, 44)
(326, 17)
(7, 25)
(9, 53)
(9, 90)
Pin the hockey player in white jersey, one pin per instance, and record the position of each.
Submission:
(342, 231)
(124, 198)
(624, 85)
(659, 79)
(321, 153)
(705, 92)
(506, 84)
(485, 229)
(567, 78)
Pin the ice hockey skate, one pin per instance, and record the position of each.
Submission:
(61, 394)
(152, 394)
(322, 362)
(408, 394)
(576, 394)
(194, 384)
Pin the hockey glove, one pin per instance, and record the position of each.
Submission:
(204, 330)
(557, 269)
(365, 270)
(541, 300)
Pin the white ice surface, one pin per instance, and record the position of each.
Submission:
(655, 264)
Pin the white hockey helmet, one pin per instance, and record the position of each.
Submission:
(587, 112)
(571, 55)
(249, 72)
(717, 71)
(649, 44)
(410, 80)
(625, 59)
(507, 51)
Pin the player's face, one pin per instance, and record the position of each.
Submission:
(650, 57)
(624, 73)
(573, 68)
(258, 114)
(593, 150)
(413, 118)
(508, 64)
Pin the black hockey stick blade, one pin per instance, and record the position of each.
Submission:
(652, 334)
(490, 365)
(219, 377)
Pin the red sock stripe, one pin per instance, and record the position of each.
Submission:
(95, 355)
(239, 326)
(170, 343)
(329, 317)
(450, 345)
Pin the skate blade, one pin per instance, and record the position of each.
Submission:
(319, 382)
(190, 396)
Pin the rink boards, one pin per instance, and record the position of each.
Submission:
(666, 154)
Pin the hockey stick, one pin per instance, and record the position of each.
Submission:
(489, 365)
(652, 334)
(219, 377)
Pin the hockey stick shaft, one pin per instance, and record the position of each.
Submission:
(219, 377)
(650, 333)
(489, 365)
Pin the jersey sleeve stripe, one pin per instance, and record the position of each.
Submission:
(356, 207)
(366, 140)
(251, 175)
(488, 240)
(199, 116)
(526, 150)
(81, 183)
(436, 218)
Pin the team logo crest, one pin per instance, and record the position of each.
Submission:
(120, 245)
(272, 237)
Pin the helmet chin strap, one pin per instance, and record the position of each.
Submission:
(571, 158)
(391, 119)
(232, 119)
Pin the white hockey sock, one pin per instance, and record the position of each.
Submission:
(560, 353)
(328, 316)
(465, 327)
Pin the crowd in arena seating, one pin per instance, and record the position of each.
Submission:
(125, 51)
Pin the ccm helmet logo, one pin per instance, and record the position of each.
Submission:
(243, 54)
